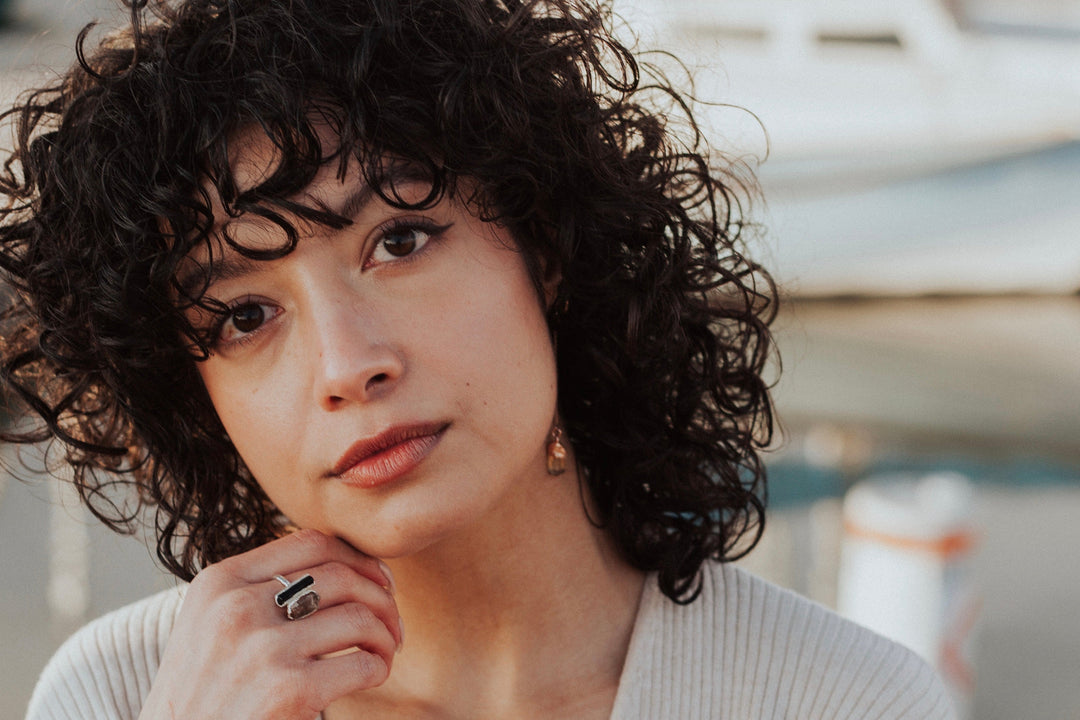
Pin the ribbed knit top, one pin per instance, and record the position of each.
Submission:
(744, 650)
(748, 650)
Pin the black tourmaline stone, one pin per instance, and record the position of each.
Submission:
(294, 589)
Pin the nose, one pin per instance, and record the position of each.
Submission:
(354, 360)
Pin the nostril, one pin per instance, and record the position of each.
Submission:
(376, 380)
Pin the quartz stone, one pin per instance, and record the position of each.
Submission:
(302, 605)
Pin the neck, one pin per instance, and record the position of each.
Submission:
(546, 613)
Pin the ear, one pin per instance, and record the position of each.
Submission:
(550, 279)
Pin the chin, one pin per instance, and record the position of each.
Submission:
(390, 548)
(401, 538)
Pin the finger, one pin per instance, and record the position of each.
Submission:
(337, 583)
(334, 677)
(303, 549)
(343, 627)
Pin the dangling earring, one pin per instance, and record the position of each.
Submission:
(556, 452)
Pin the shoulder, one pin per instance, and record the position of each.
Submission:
(748, 649)
(797, 654)
(103, 671)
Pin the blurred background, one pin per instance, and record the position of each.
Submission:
(919, 163)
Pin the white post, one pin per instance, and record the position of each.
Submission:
(68, 591)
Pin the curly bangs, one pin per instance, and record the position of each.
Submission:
(662, 323)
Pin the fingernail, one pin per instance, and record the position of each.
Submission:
(401, 633)
(389, 577)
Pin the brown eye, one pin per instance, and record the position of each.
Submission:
(400, 244)
(247, 318)
(402, 241)
(245, 321)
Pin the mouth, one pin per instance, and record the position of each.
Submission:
(382, 458)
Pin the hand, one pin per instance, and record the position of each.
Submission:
(234, 654)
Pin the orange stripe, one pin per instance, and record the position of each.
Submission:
(954, 664)
(945, 546)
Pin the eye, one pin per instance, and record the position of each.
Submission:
(401, 240)
(242, 320)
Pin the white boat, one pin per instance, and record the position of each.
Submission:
(855, 90)
(906, 155)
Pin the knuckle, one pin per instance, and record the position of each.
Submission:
(360, 617)
(312, 540)
(370, 667)
(234, 610)
(337, 571)
(385, 606)
(211, 580)
(287, 694)
(266, 644)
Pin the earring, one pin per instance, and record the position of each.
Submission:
(556, 452)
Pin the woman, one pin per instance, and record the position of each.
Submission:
(431, 348)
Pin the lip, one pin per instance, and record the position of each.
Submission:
(383, 458)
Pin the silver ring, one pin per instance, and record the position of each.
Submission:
(298, 597)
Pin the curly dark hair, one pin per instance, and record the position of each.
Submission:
(590, 157)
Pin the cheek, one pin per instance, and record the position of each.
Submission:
(257, 421)
(229, 395)
(508, 362)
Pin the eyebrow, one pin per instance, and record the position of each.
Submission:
(356, 201)
(233, 264)
(396, 176)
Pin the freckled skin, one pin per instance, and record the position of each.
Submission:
(452, 333)
(409, 319)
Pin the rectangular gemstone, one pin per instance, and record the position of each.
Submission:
(287, 594)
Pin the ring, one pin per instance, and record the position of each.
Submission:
(298, 598)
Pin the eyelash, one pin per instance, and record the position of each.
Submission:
(396, 226)
(400, 226)
(218, 328)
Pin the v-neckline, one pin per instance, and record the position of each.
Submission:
(638, 655)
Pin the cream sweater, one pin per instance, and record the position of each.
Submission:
(744, 650)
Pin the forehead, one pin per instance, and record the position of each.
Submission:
(258, 167)
(261, 178)
(254, 157)
(252, 223)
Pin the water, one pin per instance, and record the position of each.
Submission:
(1010, 225)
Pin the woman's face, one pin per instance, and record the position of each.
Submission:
(390, 382)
